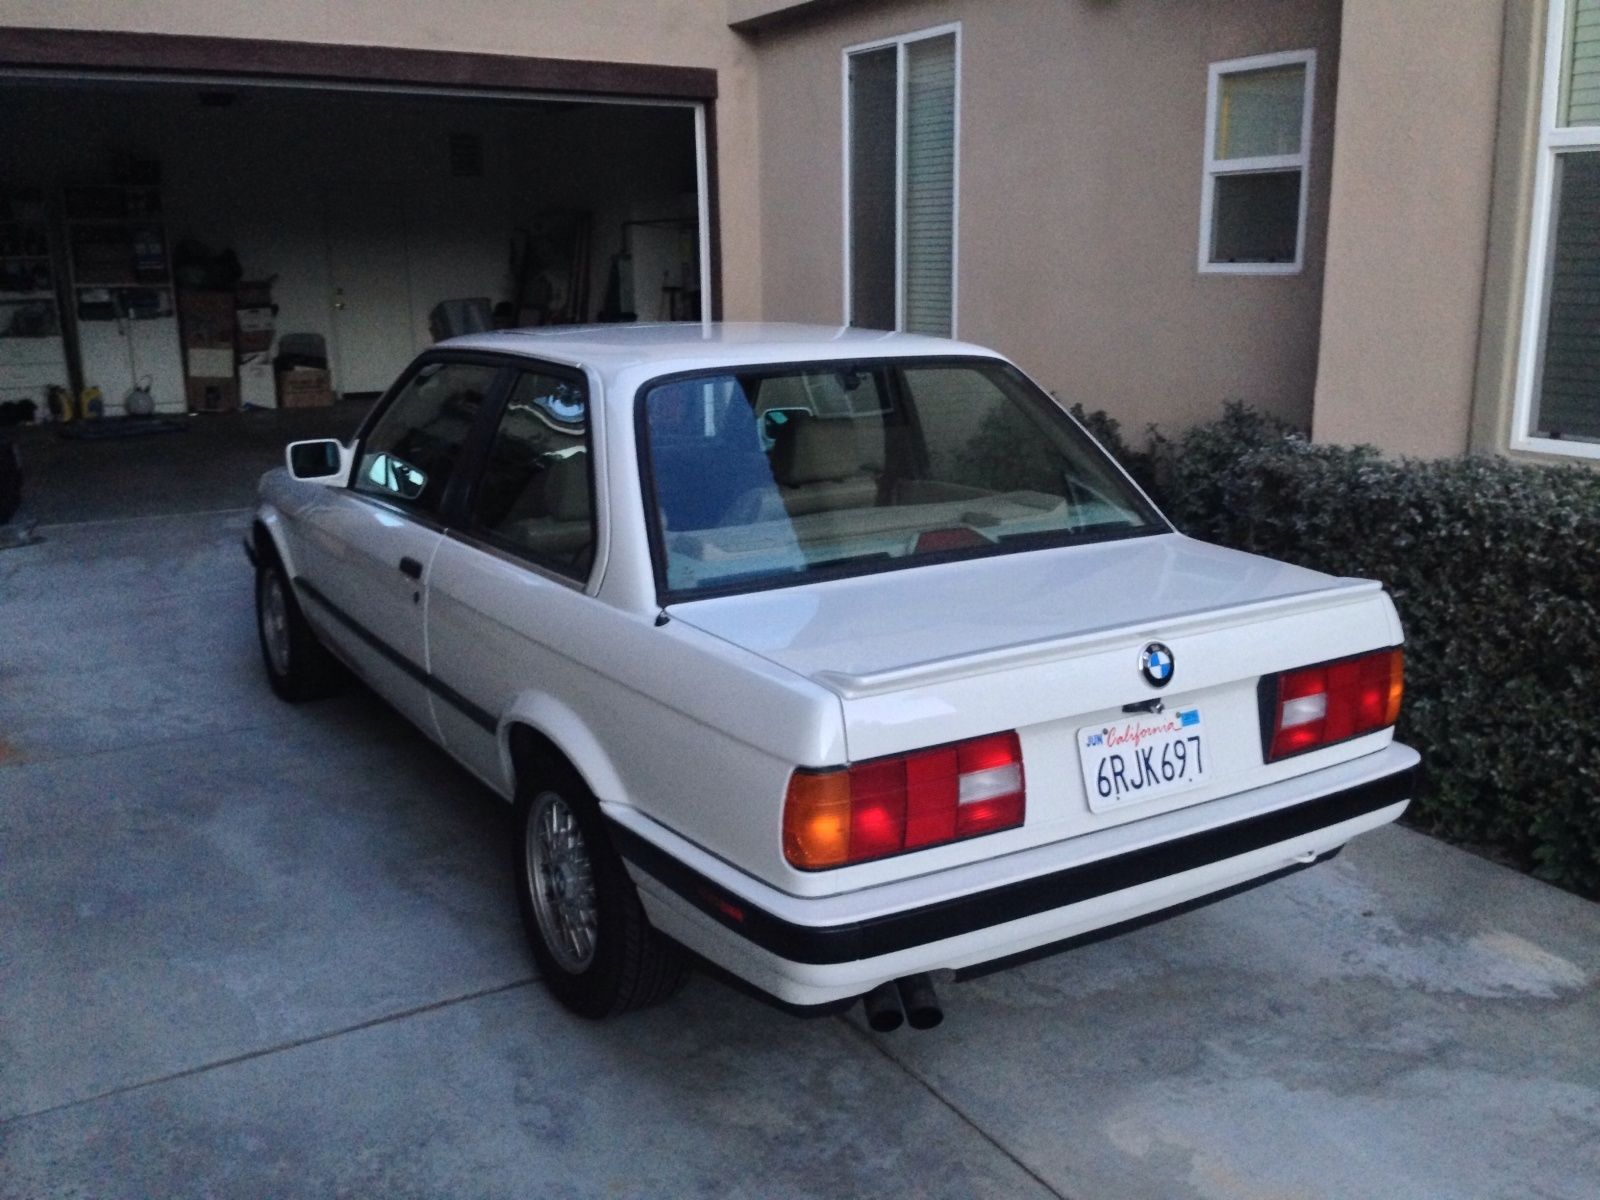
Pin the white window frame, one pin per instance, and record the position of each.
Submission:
(1553, 139)
(900, 43)
(1214, 167)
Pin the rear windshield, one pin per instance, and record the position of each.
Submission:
(787, 474)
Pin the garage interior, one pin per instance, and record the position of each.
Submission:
(176, 246)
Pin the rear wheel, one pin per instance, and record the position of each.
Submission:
(595, 947)
(298, 666)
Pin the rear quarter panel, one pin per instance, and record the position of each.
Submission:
(695, 734)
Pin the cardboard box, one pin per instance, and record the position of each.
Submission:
(212, 395)
(254, 320)
(255, 314)
(258, 386)
(207, 319)
(209, 362)
(305, 387)
(255, 330)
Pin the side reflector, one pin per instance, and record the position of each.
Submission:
(1332, 702)
(904, 802)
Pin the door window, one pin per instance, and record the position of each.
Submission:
(412, 451)
(535, 496)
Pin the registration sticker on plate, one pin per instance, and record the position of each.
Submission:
(1142, 757)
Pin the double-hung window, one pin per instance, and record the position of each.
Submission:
(1557, 408)
(902, 140)
(1258, 146)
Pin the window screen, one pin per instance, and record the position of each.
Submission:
(930, 183)
(902, 154)
(1256, 218)
(1580, 85)
(1567, 399)
(1258, 112)
(1557, 400)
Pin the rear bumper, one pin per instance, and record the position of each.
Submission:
(800, 952)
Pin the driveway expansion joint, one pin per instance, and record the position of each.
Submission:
(875, 1042)
(267, 1051)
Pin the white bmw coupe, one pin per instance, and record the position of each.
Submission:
(840, 661)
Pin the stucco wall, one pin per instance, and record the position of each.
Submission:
(690, 33)
(1083, 136)
(1419, 98)
(1510, 223)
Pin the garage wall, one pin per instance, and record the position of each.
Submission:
(1083, 135)
(692, 33)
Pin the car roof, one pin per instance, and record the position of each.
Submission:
(658, 349)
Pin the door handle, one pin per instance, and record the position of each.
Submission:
(410, 567)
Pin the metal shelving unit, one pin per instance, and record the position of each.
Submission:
(33, 355)
(122, 294)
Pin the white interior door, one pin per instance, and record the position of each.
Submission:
(158, 356)
(369, 278)
(117, 354)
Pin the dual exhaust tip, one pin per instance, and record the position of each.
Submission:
(911, 1000)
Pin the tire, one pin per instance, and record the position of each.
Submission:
(596, 950)
(298, 666)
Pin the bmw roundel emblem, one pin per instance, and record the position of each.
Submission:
(1155, 661)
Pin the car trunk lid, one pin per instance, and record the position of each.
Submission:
(1049, 643)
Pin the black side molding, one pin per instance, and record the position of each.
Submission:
(854, 940)
(480, 717)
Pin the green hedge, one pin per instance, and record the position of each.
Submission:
(1495, 568)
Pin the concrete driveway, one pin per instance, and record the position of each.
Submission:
(249, 950)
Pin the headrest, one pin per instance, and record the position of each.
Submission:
(811, 449)
(566, 488)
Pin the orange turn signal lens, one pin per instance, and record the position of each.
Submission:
(816, 819)
(1397, 685)
(902, 802)
(1311, 707)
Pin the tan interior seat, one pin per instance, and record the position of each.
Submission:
(819, 465)
(565, 526)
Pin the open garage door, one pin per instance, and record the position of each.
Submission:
(267, 231)
(194, 239)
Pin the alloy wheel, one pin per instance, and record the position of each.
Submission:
(275, 622)
(561, 876)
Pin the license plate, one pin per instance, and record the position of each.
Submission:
(1140, 758)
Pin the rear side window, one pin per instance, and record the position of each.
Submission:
(535, 497)
(412, 451)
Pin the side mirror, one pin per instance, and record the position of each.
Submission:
(770, 423)
(321, 461)
(395, 475)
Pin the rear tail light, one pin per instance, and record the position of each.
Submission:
(1312, 707)
(904, 802)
